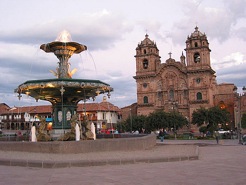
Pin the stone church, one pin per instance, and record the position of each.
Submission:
(182, 86)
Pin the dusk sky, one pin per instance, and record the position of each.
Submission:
(112, 30)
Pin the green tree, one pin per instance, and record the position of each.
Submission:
(211, 117)
(218, 116)
(243, 121)
(176, 120)
(121, 126)
(200, 116)
(157, 120)
(135, 123)
(161, 119)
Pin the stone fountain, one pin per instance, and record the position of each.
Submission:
(63, 92)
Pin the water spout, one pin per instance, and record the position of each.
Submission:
(64, 36)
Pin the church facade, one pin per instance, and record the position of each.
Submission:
(182, 86)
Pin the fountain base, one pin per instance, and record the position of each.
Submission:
(120, 144)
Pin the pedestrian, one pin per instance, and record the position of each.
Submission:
(217, 135)
(161, 135)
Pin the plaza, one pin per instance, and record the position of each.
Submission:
(224, 163)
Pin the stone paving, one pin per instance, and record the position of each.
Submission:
(218, 164)
(159, 153)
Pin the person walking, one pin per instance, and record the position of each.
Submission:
(161, 135)
(217, 135)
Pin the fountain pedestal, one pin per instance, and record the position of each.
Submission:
(64, 93)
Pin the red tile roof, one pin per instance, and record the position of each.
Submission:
(89, 107)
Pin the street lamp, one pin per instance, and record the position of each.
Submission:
(238, 117)
(62, 90)
(239, 124)
(174, 107)
(131, 119)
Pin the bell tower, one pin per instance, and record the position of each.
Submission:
(197, 51)
(147, 64)
(201, 77)
(147, 57)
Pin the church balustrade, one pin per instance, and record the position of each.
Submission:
(198, 101)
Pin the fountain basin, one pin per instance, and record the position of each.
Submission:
(85, 146)
(64, 95)
(50, 89)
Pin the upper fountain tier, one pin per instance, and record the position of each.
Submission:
(64, 89)
(63, 48)
(60, 48)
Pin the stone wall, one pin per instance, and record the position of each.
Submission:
(85, 146)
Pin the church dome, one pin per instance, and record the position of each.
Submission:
(147, 41)
(197, 33)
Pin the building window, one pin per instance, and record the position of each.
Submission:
(196, 45)
(145, 99)
(145, 64)
(198, 80)
(171, 94)
(145, 51)
(197, 57)
(199, 96)
(145, 85)
(159, 95)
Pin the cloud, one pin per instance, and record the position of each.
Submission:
(240, 33)
(232, 60)
(96, 30)
(237, 9)
(217, 22)
(124, 91)
(111, 35)
(234, 74)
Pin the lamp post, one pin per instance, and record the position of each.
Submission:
(239, 124)
(238, 117)
(131, 119)
(174, 107)
(62, 90)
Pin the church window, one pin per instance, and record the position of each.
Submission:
(196, 57)
(171, 94)
(196, 45)
(145, 51)
(145, 85)
(145, 99)
(159, 95)
(199, 96)
(198, 80)
(145, 64)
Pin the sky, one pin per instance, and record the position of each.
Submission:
(111, 30)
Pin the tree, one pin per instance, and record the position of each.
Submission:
(211, 117)
(200, 116)
(154, 121)
(157, 120)
(176, 120)
(161, 119)
(218, 116)
(243, 121)
(135, 123)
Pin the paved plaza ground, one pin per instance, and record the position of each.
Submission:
(217, 164)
